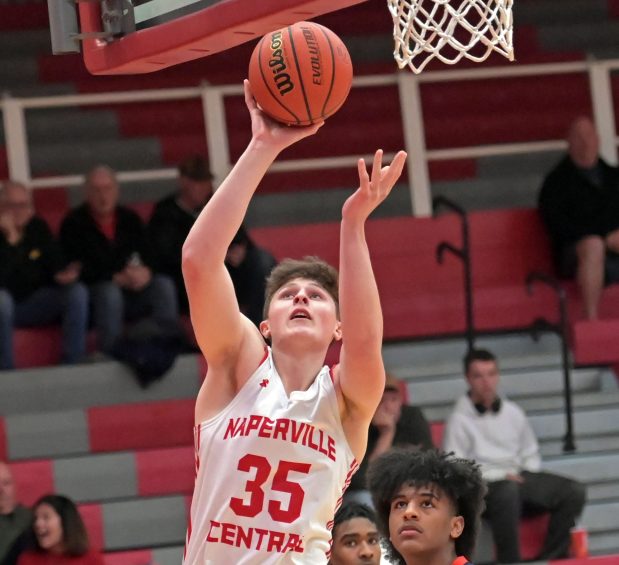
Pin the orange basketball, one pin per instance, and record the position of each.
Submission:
(300, 74)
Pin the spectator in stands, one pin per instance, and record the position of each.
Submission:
(15, 519)
(36, 288)
(428, 505)
(393, 424)
(60, 533)
(355, 536)
(110, 244)
(496, 433)
(173, 217)
(249, 266)
(579, 203)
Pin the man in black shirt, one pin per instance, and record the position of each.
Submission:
(579, 203)
(36, 289)
(173, 217)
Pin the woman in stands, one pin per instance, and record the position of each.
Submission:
(60, 535)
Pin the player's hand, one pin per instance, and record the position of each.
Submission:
(374, 188)
(271, 133)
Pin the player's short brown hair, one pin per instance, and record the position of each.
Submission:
(310, 267)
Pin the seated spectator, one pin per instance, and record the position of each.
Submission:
(36, 289)
(496, 433)
(428, 506)
(173, 217)
(393, 424)
(15, 519)
(111, 246)
(579, 203)
(355, 536)
(249, 266)
(60, 533)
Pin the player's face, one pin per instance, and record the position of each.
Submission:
(483, 379)
(302, 307)
(422, 523)
(48, 528)
(355, 542)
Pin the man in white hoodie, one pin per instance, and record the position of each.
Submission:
(496, 433)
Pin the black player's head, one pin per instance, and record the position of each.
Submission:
(312, 268)
(355, 536)
(425, 500)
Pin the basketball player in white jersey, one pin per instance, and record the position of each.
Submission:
(278, 435)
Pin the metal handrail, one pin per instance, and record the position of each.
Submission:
(464, 254)
(561, 329)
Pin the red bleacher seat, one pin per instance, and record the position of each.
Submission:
(532, 534)
(139, 426)
(437, 429)
(93, 518)
(37, 347)
(169, 471)
(33, 479)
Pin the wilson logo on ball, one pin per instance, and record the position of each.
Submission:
(278, 65)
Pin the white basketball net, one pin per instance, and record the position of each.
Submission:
(450, 30)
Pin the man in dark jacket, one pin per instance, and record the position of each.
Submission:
(110, 244)
(579, 203)
(173, 217)
(35, 288)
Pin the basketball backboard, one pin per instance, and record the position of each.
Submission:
(169, 32)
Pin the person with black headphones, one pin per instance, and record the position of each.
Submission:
(495, 432)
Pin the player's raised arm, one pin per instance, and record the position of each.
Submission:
(215, 315)
(361, 374)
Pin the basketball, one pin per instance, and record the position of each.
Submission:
(300, 74)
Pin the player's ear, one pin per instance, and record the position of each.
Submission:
(337, 332)
(265, 329)
(457, 527)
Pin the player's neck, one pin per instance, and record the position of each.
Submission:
(297, 370)
(446, 556)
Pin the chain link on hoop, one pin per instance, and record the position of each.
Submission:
(450, 30)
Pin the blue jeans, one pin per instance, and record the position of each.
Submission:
(67, 304)
(112, 305)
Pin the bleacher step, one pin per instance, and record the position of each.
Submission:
(39, 390)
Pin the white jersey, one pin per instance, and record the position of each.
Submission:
(271, 470)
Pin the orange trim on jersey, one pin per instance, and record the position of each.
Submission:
(461, 561)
